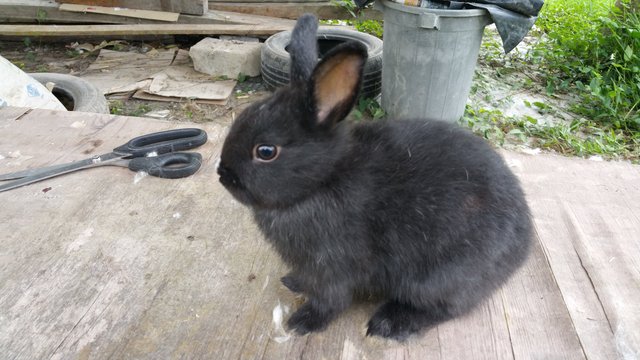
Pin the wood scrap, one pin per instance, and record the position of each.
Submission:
(232, 17)
(138, 29)
(323, 10)
(117, 11)
(193, 7)
(47, 12)
(144, 95)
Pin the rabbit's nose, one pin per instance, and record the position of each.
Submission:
(227, 176)
(221, 169)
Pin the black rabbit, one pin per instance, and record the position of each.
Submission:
(421, 213)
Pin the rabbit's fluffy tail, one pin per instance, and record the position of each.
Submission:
(303, 48)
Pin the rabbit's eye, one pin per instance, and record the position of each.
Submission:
(265, 152)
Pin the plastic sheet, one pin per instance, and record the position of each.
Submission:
(21, 90)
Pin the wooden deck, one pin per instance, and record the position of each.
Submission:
(103, 264)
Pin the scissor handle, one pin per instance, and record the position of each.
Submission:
(169, 166)
(163, 142)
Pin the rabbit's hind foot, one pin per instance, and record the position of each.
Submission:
(398, 321)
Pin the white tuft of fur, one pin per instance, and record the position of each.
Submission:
(278, 316)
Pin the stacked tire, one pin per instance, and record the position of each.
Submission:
(276, 62)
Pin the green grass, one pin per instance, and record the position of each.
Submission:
(41, 16)
(371, 27)
(116, 107)
(368, 107)
(119, 107)
(592, 48)
(579, 137)
(585, 50)
(140, 110)
(584, 58)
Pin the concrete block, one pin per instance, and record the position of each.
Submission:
(226, 57)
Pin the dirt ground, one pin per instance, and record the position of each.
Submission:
(510, 90)
(67, 58)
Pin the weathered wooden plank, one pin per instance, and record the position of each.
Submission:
(539, 323)
(134, 13)
(300, 2)
(141, 29)
(87, 272)
(101, 266)
(485, 331)
(323, 10)
(14, 113)
(231, 17)
(47, 12)
(587, 219)
(193, 7)
(43, 12)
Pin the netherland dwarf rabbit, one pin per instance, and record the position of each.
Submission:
(423, 214)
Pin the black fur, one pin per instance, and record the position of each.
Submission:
(424, 214)
(303, 49)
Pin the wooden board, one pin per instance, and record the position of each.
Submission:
(299, 2)
(104, 264)
(133, 13)
(130, 30)
(587, 218)
(47, 12)
(323, 10)
(193, 7)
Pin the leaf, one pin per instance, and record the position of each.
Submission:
(585, 69)
(594, 85)
(551, 88)
(357, 114)
(540, 105)
(628, 53)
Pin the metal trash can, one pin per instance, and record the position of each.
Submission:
(429, 57)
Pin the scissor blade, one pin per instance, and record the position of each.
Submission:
(56, 170)
(32, 172)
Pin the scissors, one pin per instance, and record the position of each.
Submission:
(154, 153)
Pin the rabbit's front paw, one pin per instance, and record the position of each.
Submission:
(308, 319)
(292, 283)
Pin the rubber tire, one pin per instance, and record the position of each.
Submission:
(86, 97)
(276, 62)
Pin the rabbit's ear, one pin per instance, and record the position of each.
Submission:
(303, 49)
(336, 82)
